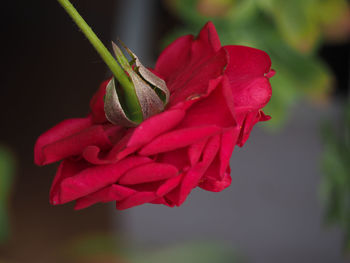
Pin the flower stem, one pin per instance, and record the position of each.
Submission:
(131, 100)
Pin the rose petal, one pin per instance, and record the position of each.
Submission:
(110, 193)
(195, 151)
(136, 137)
(155, 126)
(251, 94)
(214, 185)
(177, 158)
(186, 49)
(148, 173)
(169, 185)
(193, 176)
(194, 79)
(246, 63)
(228, 141)
(43, 152)
(136, 199)
(246, 72)
(215, 109)
(177, 139)
(67, 168)
(97, 104)
(97, 177)
(250, 120)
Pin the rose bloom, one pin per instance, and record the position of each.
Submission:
(217, 94)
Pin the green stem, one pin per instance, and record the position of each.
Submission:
(131, 99)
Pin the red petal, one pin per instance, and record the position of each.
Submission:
(215, 109)
(54, 144)
(177, 53)
(152, 127)
(148, 173)
(169, 185)
(186, 49)
(113, 192)
(97, 104)
(177, 158)
(178, 138)
(246, 72)
(214, 185)
(228, 141)
(66, 169)
(136, 199)
(246, 63)
(193, 176)
(250, 120)
(97, 177)
(195, 151)
(194, 78)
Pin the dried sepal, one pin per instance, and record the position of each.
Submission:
(150, 102)
(151, 92)
(113, 108)
(149, 76)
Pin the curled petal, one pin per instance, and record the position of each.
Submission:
(186, 51)
(94, 178)
(193, 176)
(97, 104)
(228, 141)
(148, 173)
(169, 185)
(155, 126)
(69, 138)
(216, 185)
(178, 139)
(67, 168)
(248, 71)
(136, 199)
(110, 193)
(248, 123)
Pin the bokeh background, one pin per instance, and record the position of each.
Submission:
(290, 196)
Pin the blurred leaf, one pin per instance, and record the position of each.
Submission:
(106, 248)
(191, 12)
(336, 180)
(297, 22)
(189, 253)
(329, 11)
(92, 248)
(6, 179)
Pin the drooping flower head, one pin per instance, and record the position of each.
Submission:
(216, 97)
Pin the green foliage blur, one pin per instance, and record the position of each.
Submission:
(6, 179)
(201, 252)
(289, 31)
(107, 249)
(336, 181)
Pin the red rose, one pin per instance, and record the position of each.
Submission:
(217, 94)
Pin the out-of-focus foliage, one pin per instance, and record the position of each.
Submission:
(336, 182)
(289, 31)
(106, 249)
(189, 253)
(6, 179)
(94, 248)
